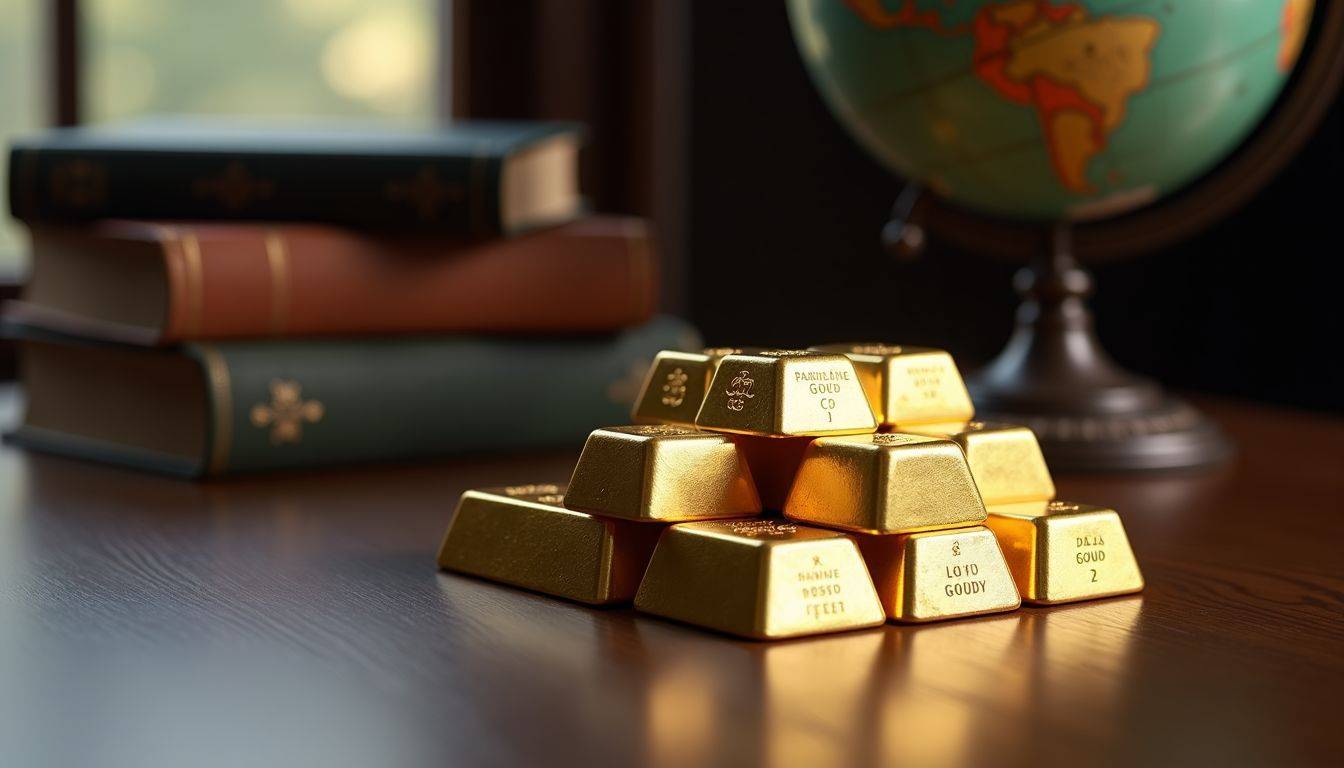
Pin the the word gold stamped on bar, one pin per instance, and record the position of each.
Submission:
(1060, 551)
(786, 393)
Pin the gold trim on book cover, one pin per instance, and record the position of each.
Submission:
(287, 412)
(175, 324)
(191, 255)
(221, 401)
(277, 258)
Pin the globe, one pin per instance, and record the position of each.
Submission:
(1047, 110)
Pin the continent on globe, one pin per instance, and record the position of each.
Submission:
(1076, 71)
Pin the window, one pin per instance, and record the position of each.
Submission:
(258, 57)
(329, 58)
(22, 102)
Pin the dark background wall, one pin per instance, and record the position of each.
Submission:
(783, 211)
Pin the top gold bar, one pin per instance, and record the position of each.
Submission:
(786, 393)
(908, 385)
(675, 385)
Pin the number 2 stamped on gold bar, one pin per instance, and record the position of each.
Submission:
(1061, 551)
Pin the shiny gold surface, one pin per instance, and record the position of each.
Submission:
(1060, 551)
(908, 385)
(1005, 459)
(661, 473)
(675, 386)
(786, 393)
(940, 574)
(885, 483)
(522, 535)
(760, 579)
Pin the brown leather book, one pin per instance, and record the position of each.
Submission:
(151, 284)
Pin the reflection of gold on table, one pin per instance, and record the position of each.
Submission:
(285, 592)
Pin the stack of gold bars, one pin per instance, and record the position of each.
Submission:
(778, 493)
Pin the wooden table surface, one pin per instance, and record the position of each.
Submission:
(298, 620)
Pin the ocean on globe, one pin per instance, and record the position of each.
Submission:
(1050, 110)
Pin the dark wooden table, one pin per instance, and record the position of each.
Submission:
(299, 620)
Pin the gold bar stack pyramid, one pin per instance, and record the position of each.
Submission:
(897, 504)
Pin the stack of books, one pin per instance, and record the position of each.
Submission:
(207, 300)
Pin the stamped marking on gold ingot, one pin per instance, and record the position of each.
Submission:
(662, 473)
(884, 483)
(523, 536)
(786, 393)
(1005, 459)
(908, 385)
(760, 579)
(675, 385)
(940, 574)
(1061, 551)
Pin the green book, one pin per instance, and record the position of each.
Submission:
(218, 409)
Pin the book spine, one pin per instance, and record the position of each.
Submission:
(459, 195)
(293, 404)
(233, 282)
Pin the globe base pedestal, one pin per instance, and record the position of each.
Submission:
(1089, 414)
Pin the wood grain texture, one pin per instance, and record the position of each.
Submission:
(298, 620)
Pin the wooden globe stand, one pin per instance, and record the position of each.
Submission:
(1088, 412)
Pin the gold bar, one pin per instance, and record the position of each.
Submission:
(662, 473)
(908, 385)
(761, 579)
(523, 536)
(786, 393)
(885, 483)
(1005, 459)
(675, 385)
(1060, 551)
(940, 574)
